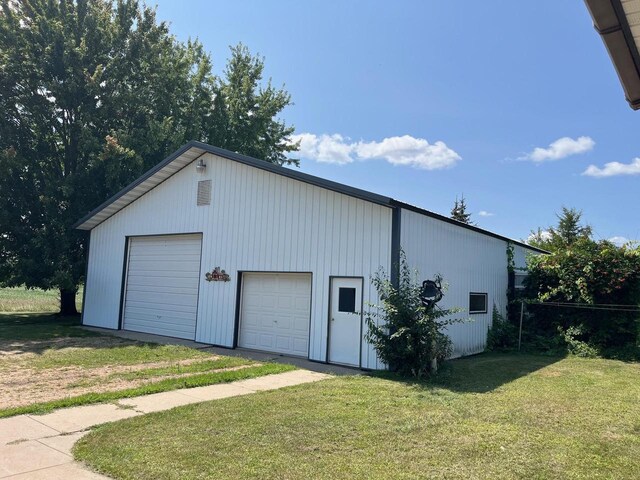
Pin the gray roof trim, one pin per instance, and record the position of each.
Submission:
(610, 21)
(482, 231)
(297, 175)
(261, 164)
(200, 148)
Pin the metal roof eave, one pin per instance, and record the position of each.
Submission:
(482, 231)
(611, 22)
(200, 148)
(196, 149)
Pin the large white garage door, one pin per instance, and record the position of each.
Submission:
(275, 311)
(161, 293)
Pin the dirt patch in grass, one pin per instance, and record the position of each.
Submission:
(26, 386)
(43, 359)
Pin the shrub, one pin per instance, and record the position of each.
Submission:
(583, 274)
(575, 346)
(502, 334)
(407, 335)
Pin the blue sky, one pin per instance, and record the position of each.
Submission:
(463, 92)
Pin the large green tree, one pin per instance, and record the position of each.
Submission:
(92, 93)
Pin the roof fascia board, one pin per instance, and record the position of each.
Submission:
(479, 230)
(261, 164)
(290, 173)
(610, 21)
(149, 173)
(296, 175)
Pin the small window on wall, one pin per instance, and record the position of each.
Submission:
(347, 300)
(477, 303)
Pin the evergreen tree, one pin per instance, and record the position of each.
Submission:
(568, 231)
(93, 93)
(459, 211)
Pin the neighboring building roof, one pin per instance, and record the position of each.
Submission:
(618, 23)
(193, 150)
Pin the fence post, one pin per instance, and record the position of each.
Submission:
(520, 330)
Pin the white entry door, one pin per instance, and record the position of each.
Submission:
(275, 312)
(345, 322)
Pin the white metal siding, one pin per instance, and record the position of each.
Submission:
(275, 312)
(257, 221)
(520, 255)
(468, 261)
(161, 293)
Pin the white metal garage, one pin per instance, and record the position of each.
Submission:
(163, 275)
(275, 312)
(264, 225)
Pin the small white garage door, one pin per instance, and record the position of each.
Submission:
(275, 310)
(161, 293)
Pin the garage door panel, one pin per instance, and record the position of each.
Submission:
(165, 289)
(153, 298)
(162, 285)
(149, 314)
(188, 310)
(166, 323)
(140, 282)
(175, 265)
(275, 311)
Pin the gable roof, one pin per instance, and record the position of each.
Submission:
(193, 150)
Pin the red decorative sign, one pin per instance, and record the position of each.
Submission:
(217, 275)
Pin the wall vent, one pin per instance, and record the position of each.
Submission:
(204, 193)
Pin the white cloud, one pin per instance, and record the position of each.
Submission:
(484, 213)
(324, 148)
(612, 169)
(619, 241)
(561, 148)
(544, 235)
(404, 150)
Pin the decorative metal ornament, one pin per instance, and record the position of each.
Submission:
(431, 293)
(217, 275)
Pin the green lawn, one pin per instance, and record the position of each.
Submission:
(33, 300)
(49, 362)
(490, 416)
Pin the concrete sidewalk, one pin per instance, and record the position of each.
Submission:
(39, 446)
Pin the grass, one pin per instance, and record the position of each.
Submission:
(165, 385)
(20, 299)
(70, 366)
(491, 416)
(132, 353)
(40, 326)
(203, 366)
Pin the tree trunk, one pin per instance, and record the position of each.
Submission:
(68, 302)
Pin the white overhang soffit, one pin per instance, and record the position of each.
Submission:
(618, 23)
(187, 154)
(151, 179)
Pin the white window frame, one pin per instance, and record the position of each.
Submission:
(486, 302)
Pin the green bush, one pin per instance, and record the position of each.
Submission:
(407, 335)
(575, 345)
(502, 334)
(583, 274)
